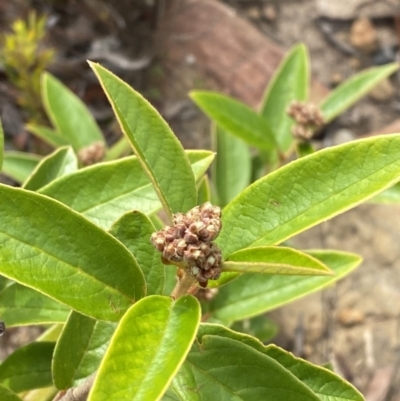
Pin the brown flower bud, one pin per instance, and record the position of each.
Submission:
(180, 246)
(190, 238)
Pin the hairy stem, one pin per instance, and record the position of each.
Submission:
(186, 284)
(77, 394)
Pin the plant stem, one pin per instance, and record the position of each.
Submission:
(77, 394)
(185, 284)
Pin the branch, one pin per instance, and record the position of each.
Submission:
(77, 394)
(186, 284)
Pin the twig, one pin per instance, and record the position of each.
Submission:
(77, 394)
(186, 284)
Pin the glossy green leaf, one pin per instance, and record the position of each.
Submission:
(19, 165)
(61, 162)
(390, 196)
(134, 230)
(148, 347)
(308, 191)
(252, 294)
(45, 246)
(68, 113)
(1, 145)
(232, 167)
(20, 306)
(353, 89)
(153, 142)
(80, 349)
(203, 190)
(28, 368)
(324, 383)
(290, 82)
(104, 192)
(225, 369)
(48, 135)
(275, 260)
(236, 118)
(8, 395)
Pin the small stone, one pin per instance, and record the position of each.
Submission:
(363, 35)
(350, 317)
(342, 136)
(383, 91)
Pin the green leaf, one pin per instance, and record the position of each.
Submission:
(20, 305)
(28, 368)
(41, 394)
(290, 82)
(260, 327)
(170, 279)
(253, 294)
(200, 161)
(304, 149)
(235, 371)
(308, 191)
(45, 246)
(153, 142)
(391, 196)
(275, 260)
(19, 165)
(1, 145)
(48, 135)
(353, 89)
(52, 333)
(148, 347)
(170, 396)
(232, 168)
(4, 282)
(324, 383)
(203, 190)
(61, 162)
(134, 230)
(8, 395)
(104, 192)
(80, 349)
(68, 113)
(236, 118)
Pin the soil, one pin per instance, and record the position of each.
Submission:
(356, 324)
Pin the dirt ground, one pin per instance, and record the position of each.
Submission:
(356, 324)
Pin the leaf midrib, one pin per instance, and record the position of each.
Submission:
(397, 179)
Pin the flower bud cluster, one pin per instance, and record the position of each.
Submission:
(308, 117)
(189, 242)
